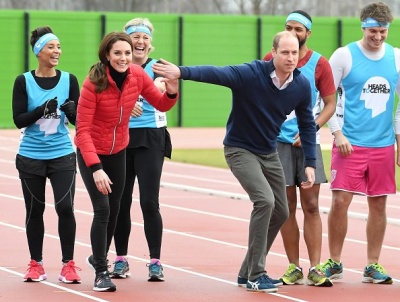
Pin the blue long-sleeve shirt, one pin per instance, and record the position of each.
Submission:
(258, 107)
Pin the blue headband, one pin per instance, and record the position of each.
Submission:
(138, 28)
(299, 18)
(43, 40)
(371, 22)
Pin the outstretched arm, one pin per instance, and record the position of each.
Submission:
(167, 70)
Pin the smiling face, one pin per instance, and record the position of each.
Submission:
(374, 37)
(120, 56)
(141, 47)
(50, 54)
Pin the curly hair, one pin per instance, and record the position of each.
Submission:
(378, 11)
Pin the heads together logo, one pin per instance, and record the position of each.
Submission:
(376, 94)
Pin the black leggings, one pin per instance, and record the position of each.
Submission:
(147, 165)
(33, 188)
(105, 207)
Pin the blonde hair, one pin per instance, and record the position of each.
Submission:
(142, 21)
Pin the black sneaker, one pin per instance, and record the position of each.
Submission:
(102, 283)
(90, 262)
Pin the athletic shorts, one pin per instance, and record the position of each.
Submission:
(293, 164)
(31, 168)
(366, 171)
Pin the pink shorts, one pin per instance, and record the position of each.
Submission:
(367, 171)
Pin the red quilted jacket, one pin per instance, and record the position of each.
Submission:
(103, 118)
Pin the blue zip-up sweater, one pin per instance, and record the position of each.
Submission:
(258, 107)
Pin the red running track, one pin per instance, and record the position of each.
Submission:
(205, 215)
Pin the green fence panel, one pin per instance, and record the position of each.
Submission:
(324, 36)
(79, 34)
(165, 41)
(11, 61)
(270, 26)
(206, 40)
(213, 40)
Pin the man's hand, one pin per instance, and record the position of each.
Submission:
(310, 174)
(167, 70)
(343, 144)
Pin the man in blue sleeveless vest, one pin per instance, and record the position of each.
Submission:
(366, 73)
(317, 70)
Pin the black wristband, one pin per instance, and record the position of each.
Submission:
(171, 96)
(317, 127)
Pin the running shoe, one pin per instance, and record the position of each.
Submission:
(35, 272)
(293, 275)
(90, 262)
(375, 273)
(332, 269)
(121, 269)
(103, 283)
(242, 282)
(317, 277)
(68, 273)
(261, 284)
(155, 270)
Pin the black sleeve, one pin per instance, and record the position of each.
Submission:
(22, 118)
(74, 94)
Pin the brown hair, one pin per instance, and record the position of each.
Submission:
(97, 73)
(378, 11)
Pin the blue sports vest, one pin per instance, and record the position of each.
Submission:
(151, 117)
(47, 138)
(366, 100)
(289, 127)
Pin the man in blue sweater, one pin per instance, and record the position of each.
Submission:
(263, 94)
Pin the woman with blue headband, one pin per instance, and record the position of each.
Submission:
(366, 74)
(317, 70)
(44, 101)
(148, 145)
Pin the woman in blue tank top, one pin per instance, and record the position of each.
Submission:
(44, 101)
(149, 144)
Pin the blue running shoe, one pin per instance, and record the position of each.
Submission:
(276, 282)
(332, 269)
(375, 273)
(261, 284)
(155, 271)
(121, 269)
(241, 282)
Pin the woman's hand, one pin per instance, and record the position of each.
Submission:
(102, 181)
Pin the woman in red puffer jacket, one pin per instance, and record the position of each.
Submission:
(106, 101)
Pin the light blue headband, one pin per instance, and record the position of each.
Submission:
(138, 28)
(299, 18)
(43, 40)
(371, 22)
